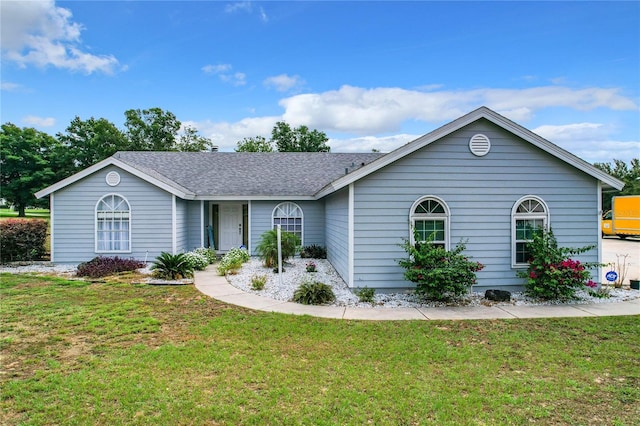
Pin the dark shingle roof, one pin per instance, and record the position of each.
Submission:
(250, 174)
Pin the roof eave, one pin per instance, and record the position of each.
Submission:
(111, 161)
(482, 112)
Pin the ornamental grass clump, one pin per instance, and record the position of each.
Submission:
(439, 274)
(314, 293)
(552, 274)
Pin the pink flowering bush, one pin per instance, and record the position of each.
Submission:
(552, 274)
(439, 274)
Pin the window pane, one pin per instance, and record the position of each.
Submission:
(112, 224)
(430, 230)
(522, 254)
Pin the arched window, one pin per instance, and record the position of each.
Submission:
(529, 215)
(430, 221)
(113, 230)
(290, 218)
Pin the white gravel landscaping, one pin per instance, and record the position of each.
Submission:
(295, 273)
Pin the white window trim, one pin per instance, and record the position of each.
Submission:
(446, 217)
(95, 219)
(546, 218)
(273, 216)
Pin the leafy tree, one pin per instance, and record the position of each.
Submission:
(191, 141)
(86, 142)
(24, 164)
(300, 139)
(151, 129)
(257, 144)
(630, 175)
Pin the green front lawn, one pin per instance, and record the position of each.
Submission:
(30, 214)
(115, 354)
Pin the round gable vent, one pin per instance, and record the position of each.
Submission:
(113, 178)
(479, 145)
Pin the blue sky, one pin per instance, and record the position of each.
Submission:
(368, 74)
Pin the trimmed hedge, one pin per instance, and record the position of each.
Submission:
(22, 239)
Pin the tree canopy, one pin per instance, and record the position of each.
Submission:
(287, 139)
(31, 160)
(24, 164)
(629, 174)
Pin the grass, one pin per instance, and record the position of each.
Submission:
(115, 353)
(30, 214)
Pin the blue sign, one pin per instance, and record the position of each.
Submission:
(611, 276)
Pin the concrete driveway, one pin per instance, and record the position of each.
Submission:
(613, 250)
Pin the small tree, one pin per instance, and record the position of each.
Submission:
(552, 274)
(267, 248)
(438, 273)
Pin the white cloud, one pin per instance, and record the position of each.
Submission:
(369, 143)
(223, 71)
(41, 34)
(226, 135)
(247, 7)
(590, 141)
(216, 69)
(32, 120)
(368, 111)
(284, 82)
(10, 87)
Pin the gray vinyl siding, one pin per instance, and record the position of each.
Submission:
(195, 225)
(74, 217)
(313, 221)
(337, 231)
(480, 193)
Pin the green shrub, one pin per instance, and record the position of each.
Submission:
(267, 248)
(232, 261)
(197, 261)
(209, 253)
(103, 266)
(22, 239)
(313, 252)
(172, 266)
(439, 274)
(365, 294)
(552, 274)
(314, 293)
(258, 282)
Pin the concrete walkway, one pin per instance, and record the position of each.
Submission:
(213, 285)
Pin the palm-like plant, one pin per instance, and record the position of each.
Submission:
(267, 248)
(172, 266)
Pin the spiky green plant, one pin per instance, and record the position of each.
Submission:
(172, 266)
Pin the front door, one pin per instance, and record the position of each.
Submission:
(230, 226)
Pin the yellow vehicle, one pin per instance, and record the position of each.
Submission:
(624, 219)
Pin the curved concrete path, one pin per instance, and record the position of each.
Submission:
(213, 285)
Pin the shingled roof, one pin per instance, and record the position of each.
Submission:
(245, 174)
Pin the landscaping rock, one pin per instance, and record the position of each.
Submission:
(497, 295)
